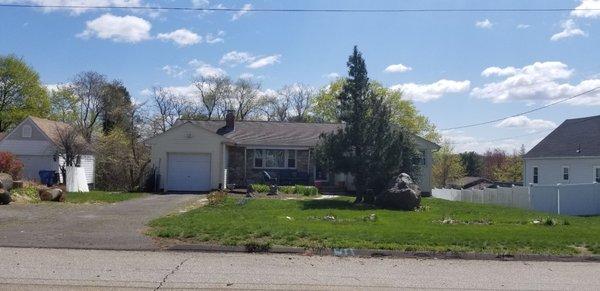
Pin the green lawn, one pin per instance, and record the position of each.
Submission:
(438, 226)
(100, 197)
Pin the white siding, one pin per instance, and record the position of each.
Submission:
(187, 138)
(88, 164)
(550, 170)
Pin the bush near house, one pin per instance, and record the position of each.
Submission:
(296, 189)
(10, 164)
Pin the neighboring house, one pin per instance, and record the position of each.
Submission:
(206, 155)
(479, 183)
(569, 154)
(35, 142)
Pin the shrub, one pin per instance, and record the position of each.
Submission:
(287, 189)
(10, 164)
(306, 190)
(216, 198)
(260, 188)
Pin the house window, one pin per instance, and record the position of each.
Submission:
(26, 131)
(277, 159)
(258, 158)
(291, 158)
(597, 174)
(565, 173)
(535, 175)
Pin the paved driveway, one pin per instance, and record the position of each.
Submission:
(117, 226)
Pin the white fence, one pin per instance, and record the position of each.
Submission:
(570, 199)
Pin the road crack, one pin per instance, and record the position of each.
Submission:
(164, 280)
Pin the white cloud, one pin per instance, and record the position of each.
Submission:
(245, 9)
(181, 37)
(264, 61)
(397, 68)
(234, 58)
(539, 81)
(128, 28)
(524, 122)
(428, 92)
(332, 76)
(491, 71)
(593, 5)
(215, 38)
(200, 3)
(174, 71)
(570, 29)
(486, 23)
(247, 76)
(463, 142)
(206, 70)
(523, 26)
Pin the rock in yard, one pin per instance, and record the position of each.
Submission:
(4, 197)
(403, 194)
(6, 181)
(51, 195)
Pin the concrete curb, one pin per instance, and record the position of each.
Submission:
(369, 253)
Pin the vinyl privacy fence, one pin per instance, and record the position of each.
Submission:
(570, 199)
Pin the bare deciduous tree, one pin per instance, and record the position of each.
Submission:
(71, 145)
(164, 104)
(301, 97)
(245, 98)
(88, 88)
(213, 90)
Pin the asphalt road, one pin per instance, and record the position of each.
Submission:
(22, 268)
(116, 226)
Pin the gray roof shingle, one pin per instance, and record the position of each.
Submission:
(258, 133)
(577, 137)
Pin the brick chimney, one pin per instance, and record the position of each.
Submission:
(230, 119)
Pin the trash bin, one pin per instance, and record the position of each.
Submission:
(47, 178)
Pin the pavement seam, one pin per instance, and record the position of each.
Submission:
(164, 280)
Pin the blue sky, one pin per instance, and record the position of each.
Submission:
(458, 67)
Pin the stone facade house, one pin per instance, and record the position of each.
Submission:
(206, 155)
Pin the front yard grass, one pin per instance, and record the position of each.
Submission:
(100, 197)
(438, 225)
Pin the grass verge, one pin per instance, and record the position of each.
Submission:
(100, 197)
(438, 225)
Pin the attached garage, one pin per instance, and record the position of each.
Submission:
(188, 172)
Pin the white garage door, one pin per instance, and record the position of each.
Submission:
(188, 172)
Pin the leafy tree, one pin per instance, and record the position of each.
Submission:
(447, 166)
(404, 113)
(472, 163)
(21, 93)
(492, 161)
(116, 104)
(64, 105)
(370, 146)
(121, 162)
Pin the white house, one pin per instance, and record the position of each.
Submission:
(570, 154)
(35, 142)
(206, 155)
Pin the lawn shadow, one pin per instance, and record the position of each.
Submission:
(333, 204)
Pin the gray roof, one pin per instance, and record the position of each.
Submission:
(258, 133)
(578, 137)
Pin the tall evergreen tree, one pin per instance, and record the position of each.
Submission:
(370, 146)
(116, 105)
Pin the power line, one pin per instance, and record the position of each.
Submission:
(333, 10)
(522, 113)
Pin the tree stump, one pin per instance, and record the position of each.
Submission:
(56, 195)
